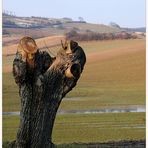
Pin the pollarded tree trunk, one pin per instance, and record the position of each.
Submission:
(41, 89)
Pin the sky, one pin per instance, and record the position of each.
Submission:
(126, 13)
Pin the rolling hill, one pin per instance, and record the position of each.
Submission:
(37, 27)
(15, 27)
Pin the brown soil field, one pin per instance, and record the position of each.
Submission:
(35, 33)
(92, 57)
(117, 65)
(10, 40)
(104, 55)
(42, 43)
(8, 52)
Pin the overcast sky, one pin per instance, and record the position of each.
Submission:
(126, 13)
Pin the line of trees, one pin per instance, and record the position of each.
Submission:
(89, 35)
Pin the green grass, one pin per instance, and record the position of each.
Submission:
(10, 93)
(88, 128)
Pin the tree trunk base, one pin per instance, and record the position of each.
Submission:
(13, 144)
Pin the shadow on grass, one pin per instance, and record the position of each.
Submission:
(119, 144)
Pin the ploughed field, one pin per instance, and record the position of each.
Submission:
(113, 77)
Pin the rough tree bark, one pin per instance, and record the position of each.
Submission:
(42, 85)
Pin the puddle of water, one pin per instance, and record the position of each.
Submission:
(132, 109)
(11, 113)
(71, 99)
(103, 111)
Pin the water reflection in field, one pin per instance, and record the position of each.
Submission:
(107, 110)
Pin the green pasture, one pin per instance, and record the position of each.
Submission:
(87, 128)
(82, 97)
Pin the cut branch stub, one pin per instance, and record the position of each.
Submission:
(71, 58)
(73, 71)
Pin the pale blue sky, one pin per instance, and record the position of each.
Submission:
(126, 13)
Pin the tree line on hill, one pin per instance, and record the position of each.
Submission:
(89, 35)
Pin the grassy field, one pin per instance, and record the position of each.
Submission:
(88, 128)
(114, 77)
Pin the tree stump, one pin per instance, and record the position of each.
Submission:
(43, 81)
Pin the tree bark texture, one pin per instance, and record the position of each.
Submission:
(41, 89)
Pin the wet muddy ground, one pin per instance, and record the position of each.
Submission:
(120, 144)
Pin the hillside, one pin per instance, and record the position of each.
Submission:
(10, 21)
(141, 29)
(15, 27)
